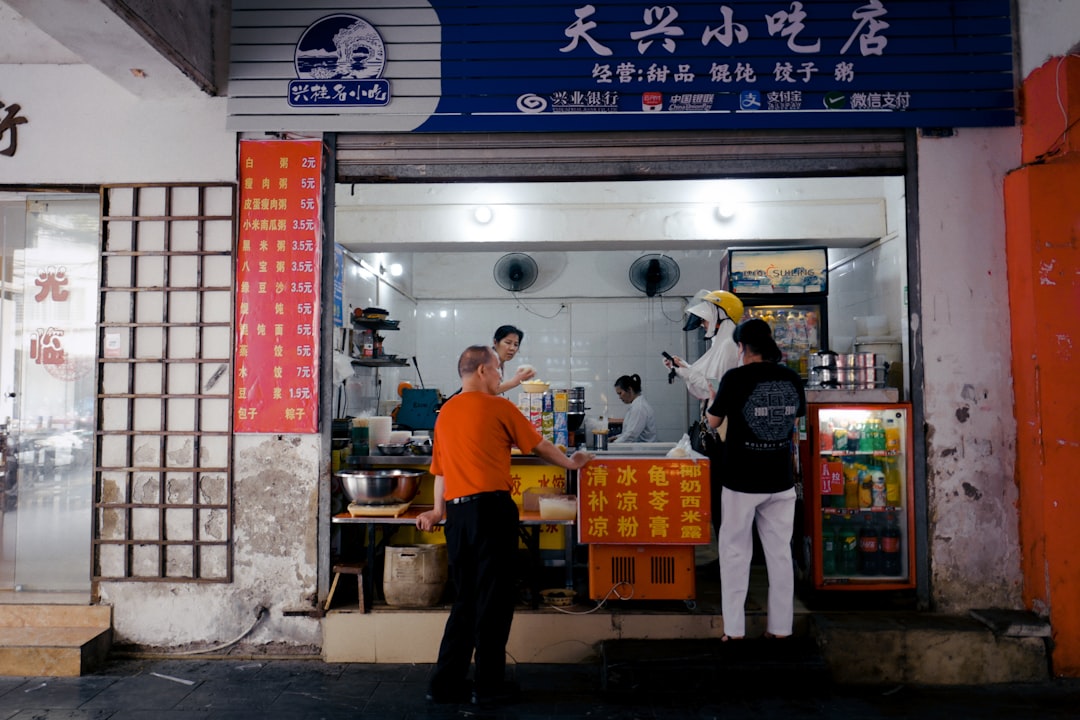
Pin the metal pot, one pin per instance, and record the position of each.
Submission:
(823, 359)
(866, 360)
(380, 487)
(824, 377)
(823, 371)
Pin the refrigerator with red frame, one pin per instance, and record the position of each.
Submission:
(858, 497)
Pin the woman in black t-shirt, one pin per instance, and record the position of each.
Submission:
(755, 409)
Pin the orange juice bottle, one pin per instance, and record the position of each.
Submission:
(892, 435)
(851, 485)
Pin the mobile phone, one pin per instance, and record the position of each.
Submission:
(666, 355)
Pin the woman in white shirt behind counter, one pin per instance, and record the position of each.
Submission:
(639, 425)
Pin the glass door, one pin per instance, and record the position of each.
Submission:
(863, 520)
(50, 256)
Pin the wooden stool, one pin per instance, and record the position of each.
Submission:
(356, 569)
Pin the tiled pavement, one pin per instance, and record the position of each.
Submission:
(212, 689)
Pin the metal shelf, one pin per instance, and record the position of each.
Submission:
(380, 362)
(376, 324)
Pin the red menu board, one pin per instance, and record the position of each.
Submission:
(277, 287)
(653, 501)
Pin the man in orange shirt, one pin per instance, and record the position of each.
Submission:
(474, 434)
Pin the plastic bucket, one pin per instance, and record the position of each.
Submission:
(414, 575)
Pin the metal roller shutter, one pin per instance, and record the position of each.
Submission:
(419, 157)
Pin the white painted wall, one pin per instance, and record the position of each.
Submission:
(83, 128)
(971, 433)
(971, 430)
(1046, 29)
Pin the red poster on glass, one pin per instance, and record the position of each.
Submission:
(654, 501)
(276, 379)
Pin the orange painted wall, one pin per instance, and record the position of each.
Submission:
(1042, 214)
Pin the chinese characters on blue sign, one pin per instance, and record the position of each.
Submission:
(488, 65)
(755, 63)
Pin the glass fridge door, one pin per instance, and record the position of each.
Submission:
(863, 519)
(797, 330)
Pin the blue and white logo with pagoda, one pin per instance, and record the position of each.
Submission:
(339, 61)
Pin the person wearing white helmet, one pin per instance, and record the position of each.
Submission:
(718, 312)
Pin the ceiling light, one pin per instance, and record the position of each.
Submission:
(396, 269)
(725, 211)
(483, 214)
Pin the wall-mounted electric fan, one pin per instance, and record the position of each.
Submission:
(515, 272)
(654, 274)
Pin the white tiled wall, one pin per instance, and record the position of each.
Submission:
(572, 343)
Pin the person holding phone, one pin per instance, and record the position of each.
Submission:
(718, 312)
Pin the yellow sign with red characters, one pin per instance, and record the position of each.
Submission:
(654, 501)
(522, 478)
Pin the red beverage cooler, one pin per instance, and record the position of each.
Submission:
(859, 497)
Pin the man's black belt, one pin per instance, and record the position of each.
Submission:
(469, 498)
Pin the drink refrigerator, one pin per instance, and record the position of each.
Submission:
(787, 289)
(858, 497)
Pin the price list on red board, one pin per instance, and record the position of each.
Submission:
(277, 287)
(655, 501)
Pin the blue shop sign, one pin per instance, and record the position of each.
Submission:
(489, 65)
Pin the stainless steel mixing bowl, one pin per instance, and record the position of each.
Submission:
(380, 487)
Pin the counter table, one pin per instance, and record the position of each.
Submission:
(530, 521)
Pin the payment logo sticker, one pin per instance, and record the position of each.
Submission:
(835, 100)
(749, 100)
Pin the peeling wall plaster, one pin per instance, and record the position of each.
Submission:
(275, 535)
(971, 430)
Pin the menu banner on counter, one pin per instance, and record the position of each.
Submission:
(278, 266)
(649, 501)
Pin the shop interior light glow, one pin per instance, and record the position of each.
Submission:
(725, 211)
(483, 214)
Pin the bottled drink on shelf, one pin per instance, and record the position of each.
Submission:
(848, 552)
(799, 344)
(869, 562)
(828, 548)
(780, 329)
(879, 441)
(878, 497)
(890, 548)
(866, 437)
(866, 495)
(839, 437)
(892, 435)
(851, 485)
(893, 485)
(825, 441)
(812, 331)
(854, 437)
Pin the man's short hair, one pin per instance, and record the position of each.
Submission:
(473, 357)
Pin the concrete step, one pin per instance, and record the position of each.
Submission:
(926, 649)
(53, 640)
